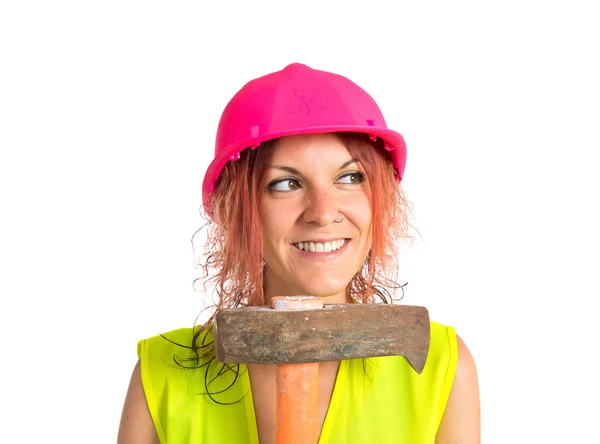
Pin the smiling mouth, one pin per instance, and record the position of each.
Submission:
(321, 247)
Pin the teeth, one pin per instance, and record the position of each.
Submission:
(318, 247)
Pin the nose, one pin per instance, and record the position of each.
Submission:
(321, 208)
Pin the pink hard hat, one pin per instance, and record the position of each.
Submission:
(297, 100)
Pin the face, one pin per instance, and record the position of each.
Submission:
(311, 182)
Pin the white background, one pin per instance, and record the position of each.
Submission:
(108, 112)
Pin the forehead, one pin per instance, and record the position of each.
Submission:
(309, 147)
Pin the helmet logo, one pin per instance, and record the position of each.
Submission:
(307, 102)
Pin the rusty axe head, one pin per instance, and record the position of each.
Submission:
(261, 335)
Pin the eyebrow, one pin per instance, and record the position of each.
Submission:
(295, 171)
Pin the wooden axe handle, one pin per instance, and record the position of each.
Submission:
(297, 403)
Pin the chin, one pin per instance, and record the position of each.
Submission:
(325, 290)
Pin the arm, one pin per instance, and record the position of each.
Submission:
(461, 420)
(136, 423)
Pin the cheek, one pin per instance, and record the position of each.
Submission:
(278, 219)
(273, 234)
(361, 210)
(364, 220)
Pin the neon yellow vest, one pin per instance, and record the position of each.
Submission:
(389, 403)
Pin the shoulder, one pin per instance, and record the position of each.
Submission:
(157, 379)
(442, 335)
(443, 348)
(167, 360)
(136, 422)
(465, 379)
(160, 383)
(461, 418)
(179, 339)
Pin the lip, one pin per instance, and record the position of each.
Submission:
(322, 256)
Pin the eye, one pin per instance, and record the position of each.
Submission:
(284, 185)
(352, 178)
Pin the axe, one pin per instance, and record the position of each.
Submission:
(298, 332)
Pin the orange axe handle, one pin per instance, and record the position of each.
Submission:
(297, 406)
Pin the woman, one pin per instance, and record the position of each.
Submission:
(304, 199)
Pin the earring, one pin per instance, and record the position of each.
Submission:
(339, 221)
